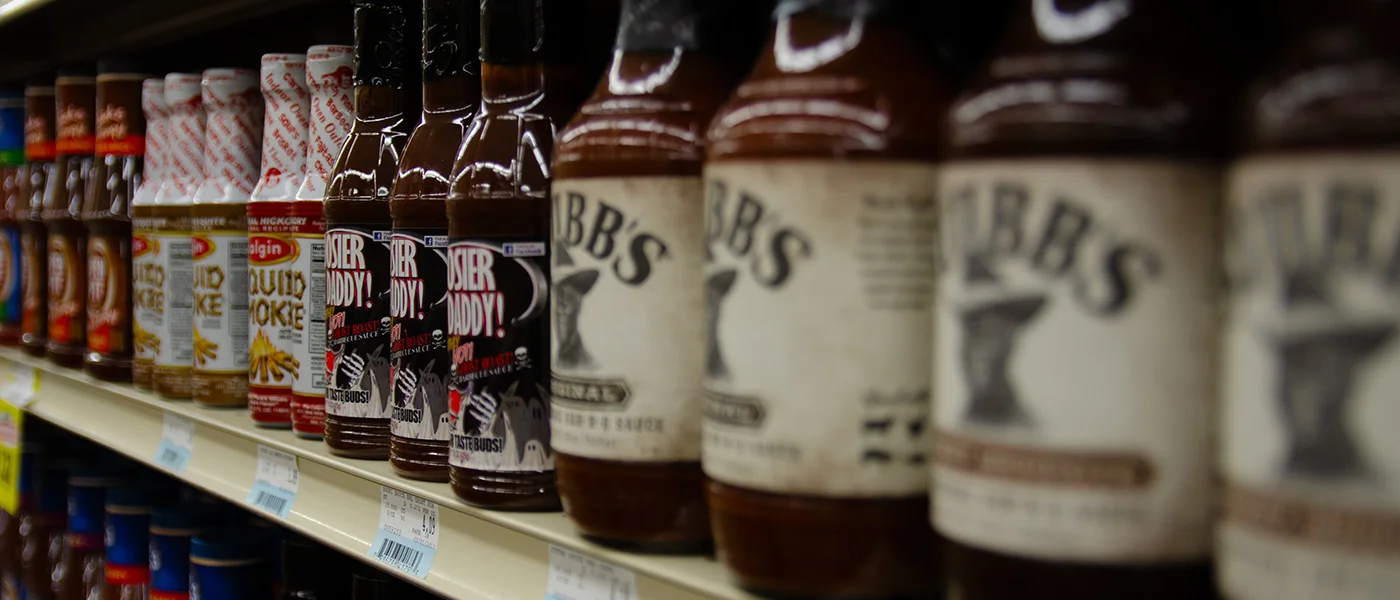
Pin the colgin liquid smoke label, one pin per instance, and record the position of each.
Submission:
(357, 297)
(283, 254)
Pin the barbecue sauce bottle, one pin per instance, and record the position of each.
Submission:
(358, 225)
(12, 180)
(271, 320)
(1076, 331)
(76, 101)
(1311, 356)
(147, 272)
(116, 175)
(498, 274)
(40, 150)
(419, 358)
(627, 307)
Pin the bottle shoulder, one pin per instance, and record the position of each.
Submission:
(506, 154)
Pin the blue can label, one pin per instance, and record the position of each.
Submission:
(170, 566)
(127, 542)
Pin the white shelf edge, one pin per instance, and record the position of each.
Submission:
(481, 555)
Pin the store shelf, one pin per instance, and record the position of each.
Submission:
(481, 555)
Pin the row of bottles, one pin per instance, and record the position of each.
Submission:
(94, 526)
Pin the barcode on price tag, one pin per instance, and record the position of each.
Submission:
(574, 576)
(408, 532)
(275, 483)
(18, 384)
(176, 443)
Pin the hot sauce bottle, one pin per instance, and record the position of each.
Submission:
(127, 568)
(1311, 356)
(219, 245)
(498, 274)
(358, 225)
(40, 151)
(819, 230)
(419, 360)
(168, 221)
(12, 184)
(76, 101)
(83, 542)
(116, 175)
(286, 251)
(147, 271)
(1076, 328)
(627, 307)
(271, 320)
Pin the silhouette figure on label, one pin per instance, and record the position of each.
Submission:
(1320, 350)
(717, 287)
(569, 294)
(993, 320)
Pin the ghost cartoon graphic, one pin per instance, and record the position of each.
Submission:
(717, 287)
(1320, 350)
(569, 294)
(378, 366)
(993, 320)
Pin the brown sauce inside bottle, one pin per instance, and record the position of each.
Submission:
(12, 176)
(39, 152)
(418, 205)
(116, 175)
(498, 223)
(76, 101)
(794, 527)
(641, 490)
(358, 224)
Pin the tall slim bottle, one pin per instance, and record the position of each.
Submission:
(40, 151)
(357, 207)
(1076, 331)
(76, 102)
(419, 357)
(219, 245)
(286, 248)
(819, 233)
(147, 272)
(116, 175)
(498, 274)
(12, 180)
(1311, 356)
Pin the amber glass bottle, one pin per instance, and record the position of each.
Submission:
(626, 396)
(39, 153)
(116, 175)
(12, 176)
(1076, 332)
(76, 101)
(358, 225)
(1311, 354)
(418, 352)
(498, 274)
(819, 228)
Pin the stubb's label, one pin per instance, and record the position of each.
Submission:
(284, 257)
(11, 297)
(357, 300)
(108, 293)
(1076, 370)
(817, 289)
(628, 310)
(1312, 366)
(498, 333)
(421, 361)
(220, 301)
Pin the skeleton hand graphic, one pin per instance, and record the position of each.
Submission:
(482, 410)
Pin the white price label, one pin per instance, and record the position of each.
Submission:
(408, 532)
(18, 384)
(275, 483)
(176, 443)
(574, 576)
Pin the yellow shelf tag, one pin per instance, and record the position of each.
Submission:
(18, 386)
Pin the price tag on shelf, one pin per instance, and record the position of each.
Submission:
(275, 483)
(575, 576)
(18, 384)
(408, 532)
(176, 443)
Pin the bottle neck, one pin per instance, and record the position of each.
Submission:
(157, 142)
(185, 154)
(453, 93)
(378, 102)
(511, 83)
(285, 133)
(231, 148)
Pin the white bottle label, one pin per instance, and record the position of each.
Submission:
(818, 291)
(148, 299)
(1312, 373)
(221, 302)
(1076, 358)
(310, 352)
(628, 318)
(174, 342)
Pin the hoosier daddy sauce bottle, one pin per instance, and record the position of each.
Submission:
(219, 245)
(498, 274)
(76, 100)
(147, 273)
(627, 305)
(116, 175)
(357, 217)
(39, 153)
(272, 320)
(287, 257)
(421, 363)
(1312, 360)
(819, 232)
(12, 175)
(1076, 327)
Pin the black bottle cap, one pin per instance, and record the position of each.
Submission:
(451, 36)
(380, 26)
(118, 64)
(512, 31)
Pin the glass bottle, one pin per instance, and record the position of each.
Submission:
(40, 151)
(147, 272)
(76, 101)
(12, 179)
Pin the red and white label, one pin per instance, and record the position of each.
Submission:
(329, 73)
(184, 162)
(288, 105)
(232, 135)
